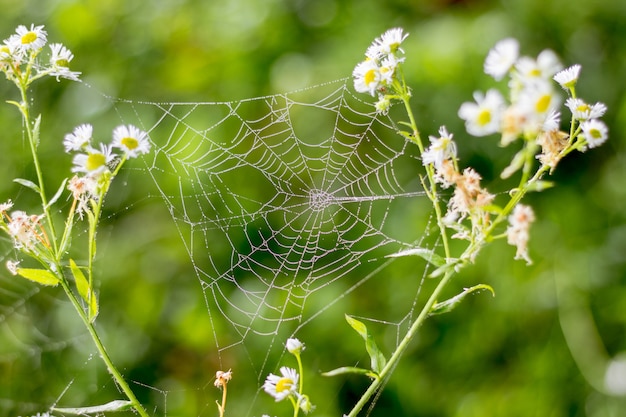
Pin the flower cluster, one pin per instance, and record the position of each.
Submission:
(289, 383)
(532, 112)
(19, 57)
(96, 164)
(25, 229)
(468, 198)
(378, 73)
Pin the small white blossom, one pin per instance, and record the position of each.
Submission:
(29, 39)
(283, 385)
(440, 149)
(537, 103)
(93, 162)
(568, 77)
(518, 231)
(543, 68)
(131, 140)
(484, 116)
(387, 69)
(60, 62)
(387, 44)
(583, 111)
(79, 139)
(595, 132)
(501, 58)
(294, 346)
(366, 76)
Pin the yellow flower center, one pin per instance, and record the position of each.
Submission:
(95, 161)
(595, 133)
(284, 384)
(28, 38)
(484, 117)
(370, 77)
(130, 143)
(535, 72)
(583, 108)
(543, 103)
(62, 63)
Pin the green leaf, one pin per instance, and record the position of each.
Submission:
(516, 164)
(378, 360)
(113, 406)
(28, 184)
(58, 193)
(450, 304)
(350, 370)
(85, 290)
(40, 276)
(429, 255)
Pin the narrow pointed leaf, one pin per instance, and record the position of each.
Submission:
(116, 405)
(58, 193)
(377, 359)
(427, 254)
(450, 304)
(85, 291)
(516, 164)
(350, 370)
(28, 184)
(40, 276)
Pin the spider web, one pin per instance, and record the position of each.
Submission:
(278, 197)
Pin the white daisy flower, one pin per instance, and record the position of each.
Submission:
(281, 387)
(29, 39)
(60, 62)
(441, 149)
(484, 116)
(79, 138)
(387, 44)
(387, 69)
(530, 71)
(131, 140)
(583, 111)
(537, 103)
(94, 162)
(595, 132)
(568, 77)
(501, 58)
(366, 76)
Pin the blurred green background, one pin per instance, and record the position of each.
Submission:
(544, 346)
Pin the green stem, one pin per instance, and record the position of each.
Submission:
(117, 376)
(431, 176)
(404, 343)
(24, 108)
